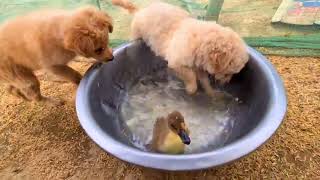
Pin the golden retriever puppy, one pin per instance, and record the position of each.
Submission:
(193, 48)
(49, 39)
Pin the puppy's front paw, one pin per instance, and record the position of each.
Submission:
(191, 89)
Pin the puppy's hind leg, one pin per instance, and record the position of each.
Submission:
(189, 78)
(26, 85)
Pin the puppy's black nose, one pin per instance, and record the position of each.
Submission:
(111, 59)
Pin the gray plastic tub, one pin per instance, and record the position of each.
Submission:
(258, 85)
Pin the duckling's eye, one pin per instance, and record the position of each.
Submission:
(99, 50)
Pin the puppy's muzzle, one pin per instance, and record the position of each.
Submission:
(108, 59)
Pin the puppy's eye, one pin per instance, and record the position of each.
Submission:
(99, 50)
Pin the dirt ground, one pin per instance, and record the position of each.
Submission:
(42, 142)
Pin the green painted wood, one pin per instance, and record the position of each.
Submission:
(214, 8)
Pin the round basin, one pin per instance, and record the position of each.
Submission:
(104, 88)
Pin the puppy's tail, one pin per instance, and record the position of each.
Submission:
(130, 7)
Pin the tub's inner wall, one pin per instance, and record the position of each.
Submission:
(112, 81)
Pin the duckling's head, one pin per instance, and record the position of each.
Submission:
(177, 125)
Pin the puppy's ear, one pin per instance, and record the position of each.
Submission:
(220, 61)
(108, 21)
(99, 18)
(110, 28)
(102, 20)
(79, 41)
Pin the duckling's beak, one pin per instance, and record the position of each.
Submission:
(184, 137)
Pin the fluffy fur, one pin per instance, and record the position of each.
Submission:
(49, 39)
(193, 48)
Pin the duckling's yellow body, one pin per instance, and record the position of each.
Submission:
(171, 144)
(164, 140)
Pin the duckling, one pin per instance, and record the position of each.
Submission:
(170, 135)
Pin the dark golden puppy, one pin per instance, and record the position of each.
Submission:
(48, 40)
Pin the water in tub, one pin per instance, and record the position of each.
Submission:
(208, 119)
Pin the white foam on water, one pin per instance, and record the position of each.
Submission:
(208, 119)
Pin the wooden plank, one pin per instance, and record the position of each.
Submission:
(298, 12)
(282, 9)
(214, 9)
(317, 18)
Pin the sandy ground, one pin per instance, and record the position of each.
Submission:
(42, 142)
